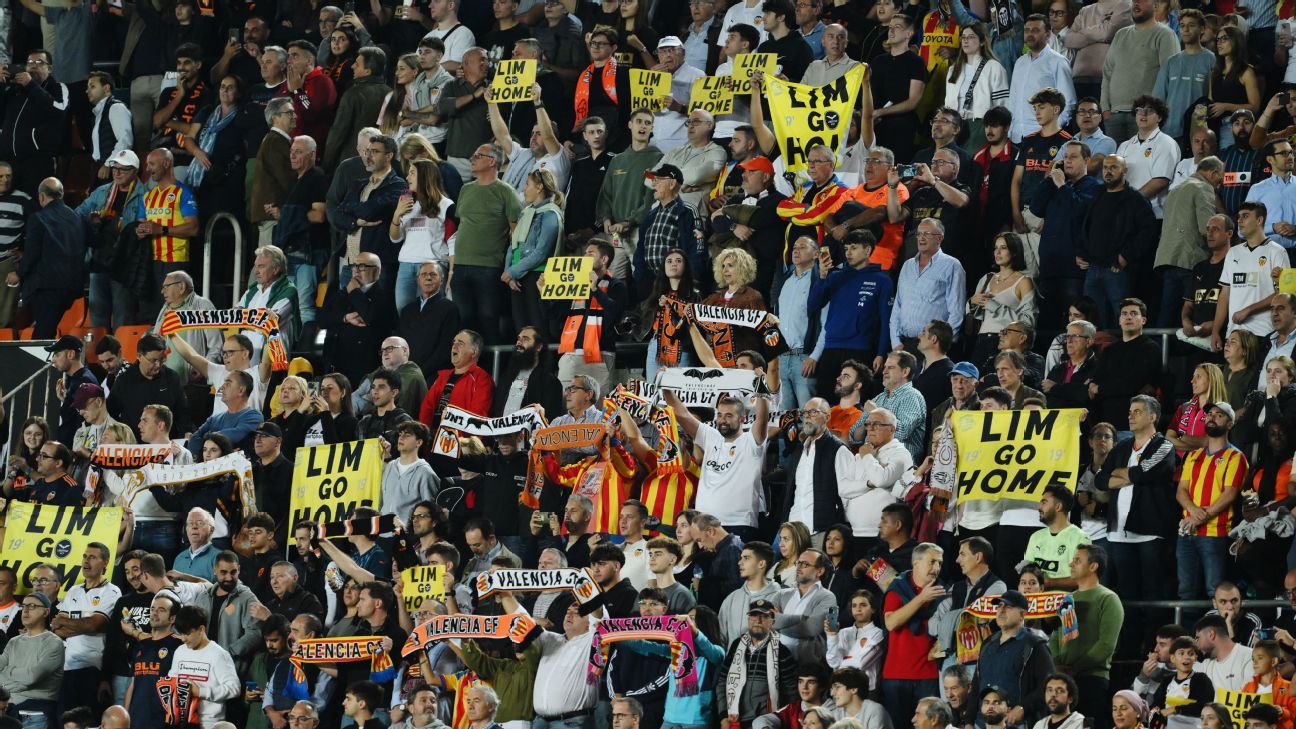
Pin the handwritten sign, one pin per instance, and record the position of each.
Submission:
(567, 277)
(513, 81)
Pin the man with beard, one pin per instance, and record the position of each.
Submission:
(1052, 547)
(1015, 660)
(994, 708)
(1112, 238)
(266, 700)
(150, 660)
(1212, 477)
(1060, 695)
(749, 689)
(803, 609)
(228, 603)
(852, 385)
(529, 378)
(729, 487)
(131, 626)
(1239, 161)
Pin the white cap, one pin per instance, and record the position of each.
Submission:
(124, 158)
(670, 41)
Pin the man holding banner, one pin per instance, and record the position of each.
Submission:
(588, 343)
(543, 152)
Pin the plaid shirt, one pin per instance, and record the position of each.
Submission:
(663, 232)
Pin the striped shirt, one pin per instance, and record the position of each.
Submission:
(14, 206)
(1208, 476)
(171, 206)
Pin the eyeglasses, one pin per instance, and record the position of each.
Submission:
(385, 350)
(1012, 331)
(1088, 112)
(45, 455)
(572, 388)
(33, 606)
(166, 286)
(155, 361)
(43, 580)
(1077, 336)
(230, 352)
(870, 425)
(478, 155)
(420, 516)
(301, 719)
(807, 413)
(1057, 13)
(696, 122)
(943, 120)
(362, 266)
(819, 161)
(33, 62)
(599, 44)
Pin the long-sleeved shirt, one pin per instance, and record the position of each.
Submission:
(313, 103)
(513, 679)
(1030, 74)
(1131, 66)
(31, 667)
(1119, 223)
(560, 685)
(700, 166)
(403, 485)
(1279, 196)
(1064, 210)
(733, 611)
(119, 118)
(859, 302)
(1091, 35)
(622, 198)
(213, 670)
(911, 416)
(1100, 615)
(235, 426)
(795, 320)
(934, 292)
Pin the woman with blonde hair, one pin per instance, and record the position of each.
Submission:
(400, 99)
(296, 415)
(415, 147)
(535, 239)
(109, 484)
(793, 539)
(1187, 429)
(421, 224)
(734, 270)
(975, 83)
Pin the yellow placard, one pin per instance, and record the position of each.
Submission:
(58, 535)
(649, 89)
(807, 116)
(330, 481)
(745, 63)
(567, 277)
(513, 80)
(1179, 701)
(713, 94)
(1287, 281)
(420, 583)
(1014, 454)
(1239, 703)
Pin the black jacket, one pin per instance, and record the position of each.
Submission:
(621, 601)
(33, 118)
(503, 478)
(353, 350)
(295, 603)
(828, 509)
(1153, 510)
(379, 206)
(542, 387)
(429, 329)
(1073, 394)
(1123, 370)
(55, 251)
(1118, 223)
(132, 392)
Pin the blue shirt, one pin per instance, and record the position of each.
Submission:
(1279, 196)
(1181, 81)
(815, 39)
(696, 46)
(1029, 75)
(235, 426)
(935, 292)
(201, 564)
(794, 311)
(860, 301)
(1098, 143)
(1004, 667)
(910, 410)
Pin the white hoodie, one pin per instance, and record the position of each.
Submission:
(213, 670)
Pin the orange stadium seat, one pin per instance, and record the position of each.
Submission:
(129, 338)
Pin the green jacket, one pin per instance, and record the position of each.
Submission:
(358, 108)
(1099, 614)
(624, 198)
(512, 679)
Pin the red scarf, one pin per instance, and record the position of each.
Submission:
(583, 88)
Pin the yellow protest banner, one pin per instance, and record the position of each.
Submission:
(807, 116)
(420, 583)
(513, 80)
(58, 535)
(567, 277)
(649, 89)
(1014, 454)
(1239, 703)
(713, 94)
(745, 63)
(330, 481)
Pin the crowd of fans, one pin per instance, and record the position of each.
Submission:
(1027, 189)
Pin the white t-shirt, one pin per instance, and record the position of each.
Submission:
(424, 238)
(216, 374)
(1246, 273)
(1124, 498)
(730, 485)
(457, 40)
(86, 651)
(1185, 169)
(636, 563)
(521, 161)
(1149, 159)
(740, 13)
(213, 670)
(1232, 673)
(1286, 28)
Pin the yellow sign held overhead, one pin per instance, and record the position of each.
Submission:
(330, 481)
(713, 94)
(745, 63)
(1014, 454)
(1239, 703)
(807, 116)
(420, 583)
(513, 81)
(649, 89)
(58, 535)
(567, 277)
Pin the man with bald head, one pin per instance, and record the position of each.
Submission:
(833, 63)
(170, 220)
(1113, 237)
(395, 356)
(357, 317)
(701, 160)
(115, 717)
(52, 270)
(812, 496)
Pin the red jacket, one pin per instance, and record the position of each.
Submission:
(473, 391)
(314, 104)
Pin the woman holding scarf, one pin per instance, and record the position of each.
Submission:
(661, 316)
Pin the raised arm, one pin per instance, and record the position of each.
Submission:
(187, 353)
(687, 420)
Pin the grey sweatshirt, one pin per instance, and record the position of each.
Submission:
(401, 491)
(31, 667)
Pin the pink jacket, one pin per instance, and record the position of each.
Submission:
(1091, 35)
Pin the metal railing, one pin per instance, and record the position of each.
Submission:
(1178, 606)
(207, 254)
(30, 397)
(624, 350)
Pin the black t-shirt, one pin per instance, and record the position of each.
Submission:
(186, 111)
(499, 43)
(311, 188)
(891, 76)
(150, 661)
(1035, 155)
(794, 54)
(133, 608)
(254, 571)
(925, 201)
(1204, 290)
(586, 179)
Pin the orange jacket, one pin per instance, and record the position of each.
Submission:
(1283, 698)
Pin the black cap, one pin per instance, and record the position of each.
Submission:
(65, 342)
(668, 171)
(270, 429)
(1014, 599)
(763, 606)
(991, 689)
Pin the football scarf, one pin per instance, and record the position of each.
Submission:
(456, 421)
(261, 319)
(607, 77)
(717, 323)
(810, 213)
(555, 438)
(516, 627)
(583, 328)
(343, 650)
(672, 628)
(604, 479)
(128, 457)
(179, 705)
(668, 329)
(1040, 605)
(165, 474)
(579, 581)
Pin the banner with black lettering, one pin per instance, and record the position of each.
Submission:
(713, 94)
(579, 581)
(513, 81)
(649, 89)
(516, 627)
(1014, 454)
(58, 535)
(420, 583)
(114, 456)
(807, 116)
(168, 474)
(703, 386)
(330, 481)
(456, 421)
